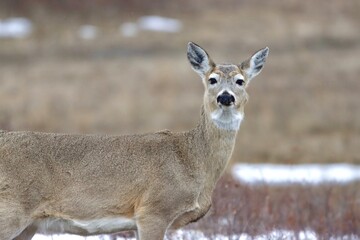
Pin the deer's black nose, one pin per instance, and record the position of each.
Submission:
(225, 99)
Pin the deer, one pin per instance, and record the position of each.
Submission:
(89, 184)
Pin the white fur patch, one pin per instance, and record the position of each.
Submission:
(228, 119)
(104, 225)
(239, 76)
(214, 75)
(227, 90)
(91, 227)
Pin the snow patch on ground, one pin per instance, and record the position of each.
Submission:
(302, 174)
(151, 23)
(159, 24)
(198, 235)
(15, 28)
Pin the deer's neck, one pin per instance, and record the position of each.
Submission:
(212, 146)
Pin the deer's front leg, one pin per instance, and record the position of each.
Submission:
(152, 227)
(154, 218)
(193, 215)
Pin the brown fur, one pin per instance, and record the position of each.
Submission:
(158, 179)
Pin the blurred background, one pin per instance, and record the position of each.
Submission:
(120, 67)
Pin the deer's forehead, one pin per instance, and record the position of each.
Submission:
(226, 70)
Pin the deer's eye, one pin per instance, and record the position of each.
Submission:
(240, 82)
(212, 81)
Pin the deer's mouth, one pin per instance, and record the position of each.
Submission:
(226, 107)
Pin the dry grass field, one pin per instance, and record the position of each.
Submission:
(304, 107)
(328, 210)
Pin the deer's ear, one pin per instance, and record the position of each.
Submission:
(255, 63)
(199, 59)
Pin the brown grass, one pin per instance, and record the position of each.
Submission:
(328, 210)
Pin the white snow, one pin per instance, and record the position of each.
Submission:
(160, 24)
(151, 23)
(307, 234)
(302, 173)
(15, 28)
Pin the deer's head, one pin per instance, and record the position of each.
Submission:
(225, 84)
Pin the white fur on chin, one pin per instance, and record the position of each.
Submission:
(228, 119)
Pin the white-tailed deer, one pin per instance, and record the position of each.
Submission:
(98, 184)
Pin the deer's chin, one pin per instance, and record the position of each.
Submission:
(227, 118)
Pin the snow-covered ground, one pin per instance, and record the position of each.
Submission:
(151, 23)
(303, 173)
(15, 28)
(196, 235)
(19, 27)
(159, 24)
